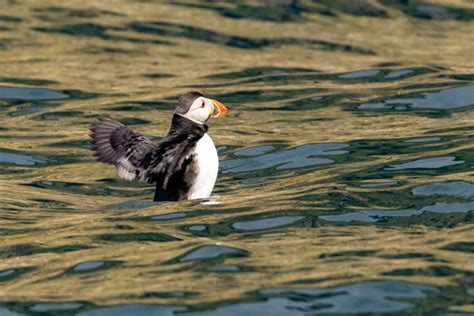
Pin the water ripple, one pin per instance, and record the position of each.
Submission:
(299, 157)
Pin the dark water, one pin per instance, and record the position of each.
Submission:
(346, 177)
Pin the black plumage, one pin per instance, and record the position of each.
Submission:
(185, 101)
(169, 164)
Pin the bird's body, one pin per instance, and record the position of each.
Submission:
(183, 165)
(207, 166)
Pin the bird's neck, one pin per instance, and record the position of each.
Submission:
(181, 125)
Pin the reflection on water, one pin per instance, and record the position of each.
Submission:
(6, 273)
(379, 184)
(423, 140)
(299, 157)
(139, 310)
(452, 98)
(62, 307)
(346, 163)
(455, 188)
(169, 216)
(254, 151)
(399, 73)
(14, 93)
(23, 160)
(428, 163)
(210, 252)
(360, 74)
(90, 265)
(380, 215)
(367, 297)
(266, 223)
(224, 268)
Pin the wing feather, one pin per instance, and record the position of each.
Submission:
(136, 157)
(169, 157)
(114, 143)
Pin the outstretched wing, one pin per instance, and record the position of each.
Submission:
(137, 158)
(114, 143)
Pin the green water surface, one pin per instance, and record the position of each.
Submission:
(346, 161)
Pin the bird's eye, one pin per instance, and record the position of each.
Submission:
(203, 104)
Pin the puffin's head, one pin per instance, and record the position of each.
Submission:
(194, 106)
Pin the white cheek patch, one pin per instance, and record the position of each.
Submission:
(197, 113)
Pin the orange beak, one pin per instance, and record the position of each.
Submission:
(218, 109)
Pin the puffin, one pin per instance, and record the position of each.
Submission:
(183, 165)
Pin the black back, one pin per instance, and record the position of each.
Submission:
(172, 163)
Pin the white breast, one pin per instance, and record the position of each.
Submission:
(207, 167)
